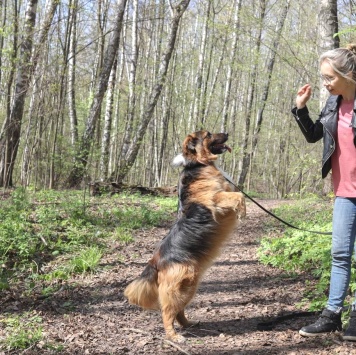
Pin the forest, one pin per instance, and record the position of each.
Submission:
(104, 92)
(107, 90)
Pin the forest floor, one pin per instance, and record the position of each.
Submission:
(89, 315)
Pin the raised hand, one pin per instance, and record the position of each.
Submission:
(303, 95)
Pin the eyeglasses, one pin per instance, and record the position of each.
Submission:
(326, 78)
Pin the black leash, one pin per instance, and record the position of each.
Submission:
(272, 214)
(270, 325)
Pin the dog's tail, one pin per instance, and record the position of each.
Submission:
(143, 291)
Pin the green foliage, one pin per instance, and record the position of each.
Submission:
(87, 260)
(49, 235)
(124, 235)
(58, 274)
(39, 227)
(4, 285)
(346, 31)
(22, 331)
(298, 251)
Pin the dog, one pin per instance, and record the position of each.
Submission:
(208, 212)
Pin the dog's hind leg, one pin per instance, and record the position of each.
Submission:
(169, 314)
(177, 286)
(183, 321)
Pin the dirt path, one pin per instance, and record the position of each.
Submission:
(90, 315)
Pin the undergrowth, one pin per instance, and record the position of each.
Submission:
(48, 236)
(294, 250)
(23, 330)
(69, 227)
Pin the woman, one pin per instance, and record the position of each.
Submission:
(337, 126)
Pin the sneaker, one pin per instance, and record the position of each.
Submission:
(328, 322)
(350, 333)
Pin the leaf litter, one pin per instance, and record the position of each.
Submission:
(89, 315)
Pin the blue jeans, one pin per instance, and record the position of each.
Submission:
(343, 245)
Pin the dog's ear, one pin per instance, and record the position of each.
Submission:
(189, 149)
(191, 143)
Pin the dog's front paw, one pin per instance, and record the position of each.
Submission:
(240, 207)
(177, 338)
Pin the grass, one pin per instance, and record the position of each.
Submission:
(42, 226)
(86, 261)
(297, 251)
(37, 228)
(48, 236)
(22, 331)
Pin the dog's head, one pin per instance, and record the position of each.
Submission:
(202, 147)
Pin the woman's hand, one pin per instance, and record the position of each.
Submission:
(303, 95)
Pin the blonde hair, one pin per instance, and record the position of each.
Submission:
(342, 61)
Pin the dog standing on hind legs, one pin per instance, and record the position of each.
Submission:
(208, 213)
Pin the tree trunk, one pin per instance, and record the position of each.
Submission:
(81, 157)
(199, 75)
(244, 163)
(3, 7)
(132, 58)
(227, 94)
(265, 92)
(105, 142)
(72, 112)
(12, 71)
(328, 27)
(10, 142)
(217, 73)
(177, 12)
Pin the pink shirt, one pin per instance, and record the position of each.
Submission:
(343, 160)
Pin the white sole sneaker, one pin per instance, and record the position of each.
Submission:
(310, 335)
(349, 337)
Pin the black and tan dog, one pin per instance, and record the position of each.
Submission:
(208, 213)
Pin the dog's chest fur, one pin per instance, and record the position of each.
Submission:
(199, 184)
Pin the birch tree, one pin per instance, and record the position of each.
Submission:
(217, 77)
(198, 89)
(3, 12)
(105, 142)
(132, 66)
(265, 92)
(72, 111)
(30, 139)
(328, 39)
(232, 60)
(177, 12)
(10, 137)
(82, 153)
(244, 162)
(13, 56)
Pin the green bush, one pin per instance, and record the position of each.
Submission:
(39, 227)
(299, 251)
(49, 235)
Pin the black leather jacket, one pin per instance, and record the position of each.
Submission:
(324, 127)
